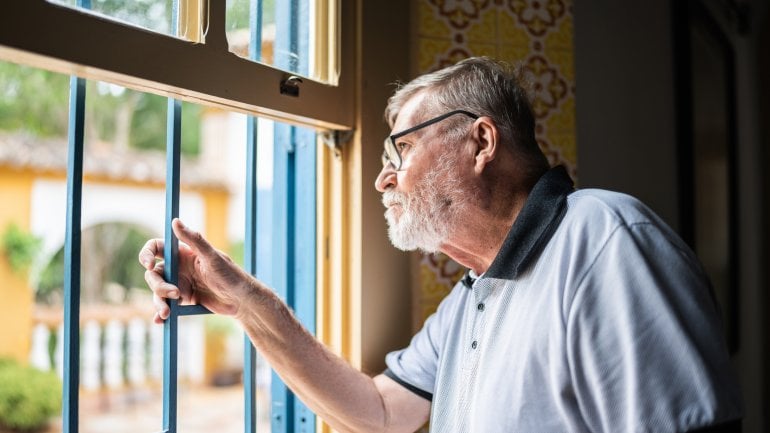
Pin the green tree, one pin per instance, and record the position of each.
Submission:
(33, 100)
(121, 117)
(19, 247)
(109, 254)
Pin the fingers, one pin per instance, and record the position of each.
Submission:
(193, 239)
(159, 286)
(161, 291)
(152, 249)
(162, 309)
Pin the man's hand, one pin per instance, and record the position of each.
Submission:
(207, 276)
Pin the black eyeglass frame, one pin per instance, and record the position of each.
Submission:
(391, 155)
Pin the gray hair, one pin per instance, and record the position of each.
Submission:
(482, 86)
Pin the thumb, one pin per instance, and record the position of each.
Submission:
(193, 239)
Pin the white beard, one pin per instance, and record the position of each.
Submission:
(413, 229)
(427, 213)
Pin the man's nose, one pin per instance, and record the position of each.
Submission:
(386, 179)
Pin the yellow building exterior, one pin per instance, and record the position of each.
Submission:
(16, 183)
(16, 321)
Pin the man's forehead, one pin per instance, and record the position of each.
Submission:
(409, 112)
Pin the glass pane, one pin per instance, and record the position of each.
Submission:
(33, 126)
(150, 14)
(210, 359)
(276, 33)
(123, 205)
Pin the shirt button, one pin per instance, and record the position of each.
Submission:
(474, 345)
(480, 307)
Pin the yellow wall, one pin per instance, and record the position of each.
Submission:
(216, 205)
(14, 290)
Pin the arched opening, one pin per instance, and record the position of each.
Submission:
(110, 272)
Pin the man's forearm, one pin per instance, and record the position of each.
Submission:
(343, 396)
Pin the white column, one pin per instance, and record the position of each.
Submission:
(137, 343)
(38, 355)
(192, 350)
(113, 354)
(156, 352)
(91, 356)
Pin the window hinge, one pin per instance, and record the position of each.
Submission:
(336, 139)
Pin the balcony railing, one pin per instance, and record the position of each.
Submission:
(120, 347)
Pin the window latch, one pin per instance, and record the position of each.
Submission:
(290, 86)
(335, 139)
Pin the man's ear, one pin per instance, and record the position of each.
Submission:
(487, 140)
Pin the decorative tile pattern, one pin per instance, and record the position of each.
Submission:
(535, 35)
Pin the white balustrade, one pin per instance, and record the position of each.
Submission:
(109, 337)
(91, 358)
(59, 351)
(192, 349)
(39, 357)
(156, 352)
(113, 354)
(136, 358)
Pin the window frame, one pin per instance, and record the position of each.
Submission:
(162, 64)
(181, 70)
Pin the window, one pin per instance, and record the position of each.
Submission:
(287, 94)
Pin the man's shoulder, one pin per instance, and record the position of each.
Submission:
(613, 208)
(593, 217)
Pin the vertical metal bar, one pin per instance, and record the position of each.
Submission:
(250, 263)
(171, 270)
(70, 409)
(171, 250)
(294, 194)
(304, 250)
(282, 406)
(75, 138)
(303, 229)
(282, 400)
(250, 244)
(255, 26)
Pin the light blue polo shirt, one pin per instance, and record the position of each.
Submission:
(594, 317)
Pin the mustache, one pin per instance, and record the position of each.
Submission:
(389, 198)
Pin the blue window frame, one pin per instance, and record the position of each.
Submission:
(289, 211)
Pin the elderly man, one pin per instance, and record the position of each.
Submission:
(581, 310)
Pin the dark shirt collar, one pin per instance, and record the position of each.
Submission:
(533, 228)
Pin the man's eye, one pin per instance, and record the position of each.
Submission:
(401, 146)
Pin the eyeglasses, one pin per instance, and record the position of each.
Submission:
(392, 155)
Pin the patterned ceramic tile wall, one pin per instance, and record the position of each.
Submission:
(535, 34)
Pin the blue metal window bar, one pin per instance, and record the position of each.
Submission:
(294, 160)
(293, 214)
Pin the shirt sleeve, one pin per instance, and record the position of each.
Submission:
(645, 344)
(415, 366)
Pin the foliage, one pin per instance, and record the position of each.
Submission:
(116, 115)
(150, 118)
(51, 279)
(237, 252)
(24, 105)
(20, 247)
(238, 13)
(28, 397)
(109, 253)
(217, 325)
